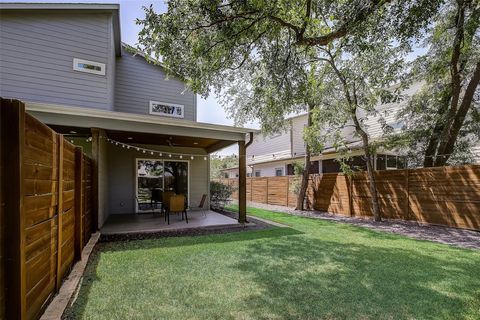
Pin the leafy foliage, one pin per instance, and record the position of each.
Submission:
(217, 164)
(443, 117)
(220, 193)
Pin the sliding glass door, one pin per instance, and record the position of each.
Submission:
(156, 176)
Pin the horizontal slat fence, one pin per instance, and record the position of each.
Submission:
(39, 187)
(445, 195)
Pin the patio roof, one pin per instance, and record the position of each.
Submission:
(139, 128)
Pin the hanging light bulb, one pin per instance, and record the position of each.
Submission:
(204, 158)
(151, 153)
(143, 151)
(192, 157)
(128, 147)
(160, 154)
(169, 155)
(181, 156)
(138, 149)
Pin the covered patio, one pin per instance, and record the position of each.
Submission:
(147, 223)
(137, 156)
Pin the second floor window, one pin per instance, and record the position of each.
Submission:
(167, 109)
(278, 172)
(89, 66)
(257, 173)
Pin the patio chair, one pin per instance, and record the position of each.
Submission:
(165, 201)
(202, 205)
(177, 204)
(145, 205)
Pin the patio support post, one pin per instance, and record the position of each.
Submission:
(100, 178)
(242, 182)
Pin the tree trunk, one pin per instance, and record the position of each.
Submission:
(459, 119)
(442, 141)
(306, 170)
(370, 168)
(304, 183)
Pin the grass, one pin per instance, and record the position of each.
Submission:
(312, 270)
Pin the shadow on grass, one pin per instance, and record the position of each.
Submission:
(305, 278)
(90, 275)
(308, 275)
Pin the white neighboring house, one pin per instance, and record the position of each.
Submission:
(274, 155)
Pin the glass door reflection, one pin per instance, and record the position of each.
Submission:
(156, 176)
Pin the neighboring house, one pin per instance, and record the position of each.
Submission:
(69, 66)
(274, 155)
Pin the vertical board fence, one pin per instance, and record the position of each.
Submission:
(41, 193)
(447, 196)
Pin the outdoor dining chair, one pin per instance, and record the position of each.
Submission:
(176, 204)
(145, 205)
(202, 205)
(165, 201)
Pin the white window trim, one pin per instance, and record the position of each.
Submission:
(76, 61)
(181, 106)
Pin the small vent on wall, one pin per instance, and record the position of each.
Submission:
(89, 66)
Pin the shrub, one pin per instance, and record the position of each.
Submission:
(219, 194)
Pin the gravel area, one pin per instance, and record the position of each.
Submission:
(452, 236)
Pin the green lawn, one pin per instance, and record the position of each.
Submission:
(313, 270)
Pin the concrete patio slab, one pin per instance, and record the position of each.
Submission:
(139, 223)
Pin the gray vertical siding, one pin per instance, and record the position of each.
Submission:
(138, 82)
(36, 57)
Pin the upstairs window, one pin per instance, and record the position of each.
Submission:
(89, 66)
(257, 173)
(167, 109)
(278, 172)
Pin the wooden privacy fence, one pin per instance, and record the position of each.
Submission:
(445, 195)
(271, 190)
(46, 210)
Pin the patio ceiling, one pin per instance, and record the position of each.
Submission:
(142, 129)
(162, 139)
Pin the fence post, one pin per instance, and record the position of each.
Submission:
(268, 180)
(407, 172)
(78, 233)
(12, 144)
(288, 187)
(350, 196)
(59, 212)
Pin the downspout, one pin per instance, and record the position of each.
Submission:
(250, 138)
(250, 135)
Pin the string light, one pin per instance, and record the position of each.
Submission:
(153, 152)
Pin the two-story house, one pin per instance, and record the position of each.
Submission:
(67, 63)
(274, 155)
